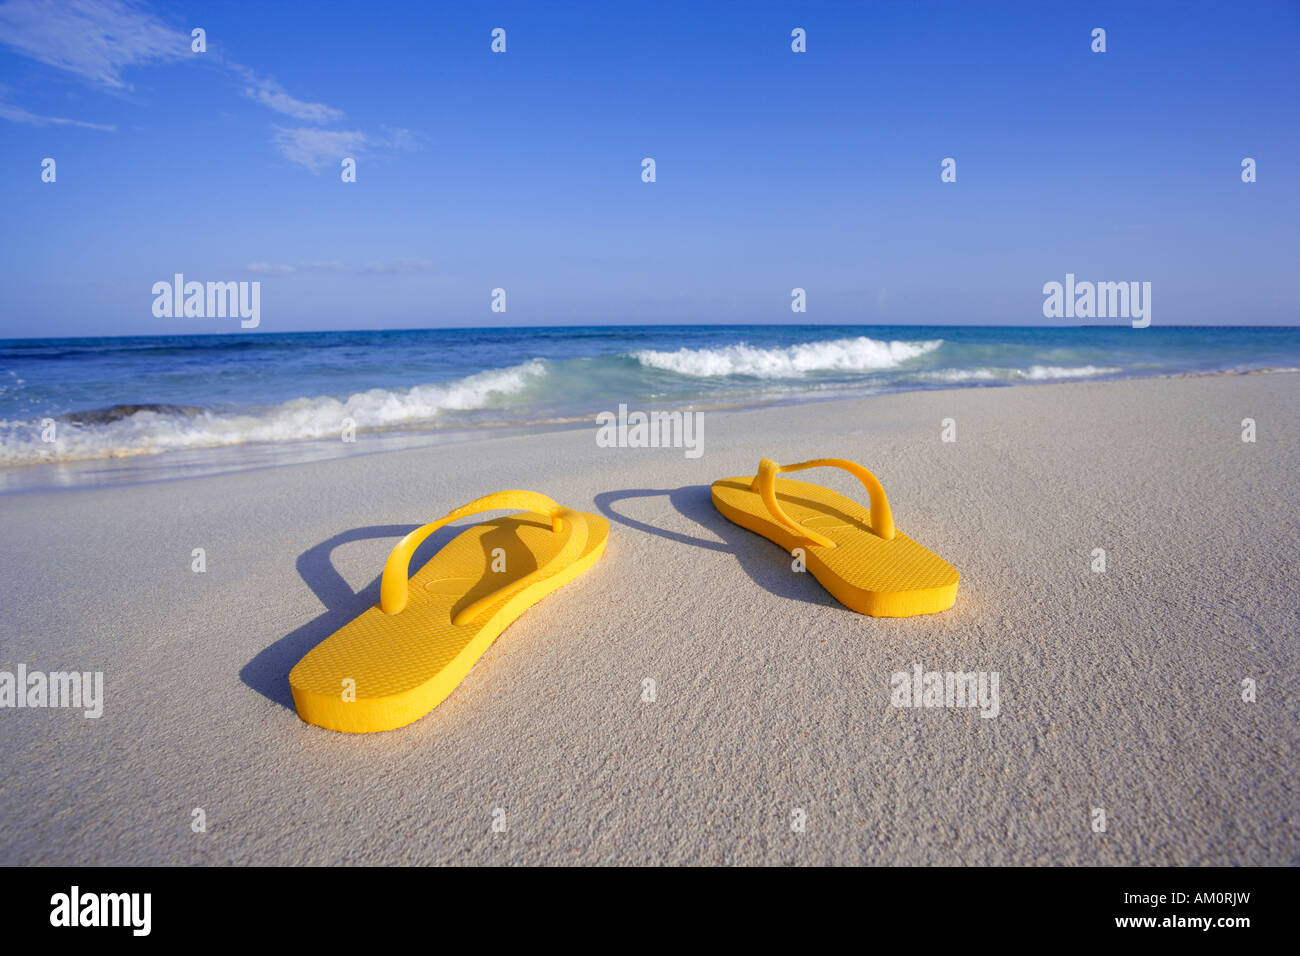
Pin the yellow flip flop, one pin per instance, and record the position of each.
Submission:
(400, 659)
(856, 553)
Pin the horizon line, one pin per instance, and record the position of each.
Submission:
(244, 333)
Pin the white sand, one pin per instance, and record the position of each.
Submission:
(1119, 690)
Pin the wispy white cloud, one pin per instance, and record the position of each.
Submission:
(272, 95)
(268, 269)
(95, 39)
(98, 40)
(399, 138)
(17, 114)
(314, 148)
(398, 267)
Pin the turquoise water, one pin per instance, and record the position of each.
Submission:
(184, 398)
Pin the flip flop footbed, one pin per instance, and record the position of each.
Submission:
(883, 578)
(400, 666)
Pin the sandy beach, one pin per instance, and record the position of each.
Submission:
(1119, 691)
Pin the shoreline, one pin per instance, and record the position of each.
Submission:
(209, 459)
(1119, 690)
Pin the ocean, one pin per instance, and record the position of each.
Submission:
(92, 410)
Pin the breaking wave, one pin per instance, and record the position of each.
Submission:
(859, 354)
(125, 430)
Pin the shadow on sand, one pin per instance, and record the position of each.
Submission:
(765, 563)
(268, 672)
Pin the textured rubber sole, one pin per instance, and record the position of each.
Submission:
(383, 671)
(894, 578)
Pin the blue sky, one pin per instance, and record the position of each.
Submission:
(522, 170)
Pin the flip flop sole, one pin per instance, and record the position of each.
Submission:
(383, 671)
(870, 575)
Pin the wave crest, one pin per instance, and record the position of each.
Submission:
(859, 354)
(151, 430)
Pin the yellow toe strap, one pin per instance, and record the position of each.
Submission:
(393, 585)
(882, 520)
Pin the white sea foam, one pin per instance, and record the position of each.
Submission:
(151, 432)
(1035, 373)
(1055, 371)
(836, 355)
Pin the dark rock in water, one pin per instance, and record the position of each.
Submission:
(115, 413)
